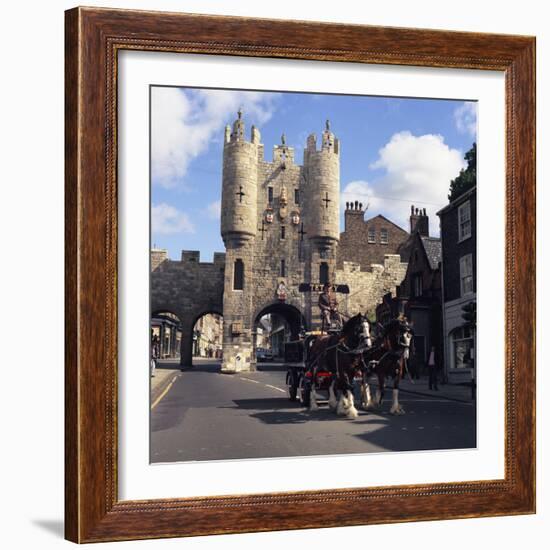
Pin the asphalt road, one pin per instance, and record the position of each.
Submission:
(207, 415)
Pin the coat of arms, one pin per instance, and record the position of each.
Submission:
(281, 291)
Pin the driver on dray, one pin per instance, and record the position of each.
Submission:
(329, 308)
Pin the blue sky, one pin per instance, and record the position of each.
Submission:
(394, 152)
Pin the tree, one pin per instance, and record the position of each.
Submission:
(467, 177)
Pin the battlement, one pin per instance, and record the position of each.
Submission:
(329, 143)
(194, 257)
(158, 256)
(283, 154)
(191, 256)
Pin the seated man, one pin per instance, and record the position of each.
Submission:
(329, 307)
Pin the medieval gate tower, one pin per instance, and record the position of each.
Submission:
(280, 226)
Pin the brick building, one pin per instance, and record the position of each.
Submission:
(378, 237)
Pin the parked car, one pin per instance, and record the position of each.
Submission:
(263, 354)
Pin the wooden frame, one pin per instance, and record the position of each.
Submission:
(93, 38)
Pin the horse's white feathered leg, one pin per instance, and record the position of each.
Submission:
(343, 404)
(352, 411)
(367, 402)
(313, 406)
(332, 401)
(396, 408)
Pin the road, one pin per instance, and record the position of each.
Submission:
(207, 415)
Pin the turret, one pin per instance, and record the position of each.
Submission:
(239, 184)
(322, 189)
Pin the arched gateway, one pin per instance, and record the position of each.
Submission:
(280, 227)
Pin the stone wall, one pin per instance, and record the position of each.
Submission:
(368, 287)
(188, 288)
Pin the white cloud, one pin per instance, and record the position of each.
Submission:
(167, 220)
(417, 170)
(466, 118)
(214, 210)
(185, 122)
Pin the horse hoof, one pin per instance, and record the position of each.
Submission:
(352, 414)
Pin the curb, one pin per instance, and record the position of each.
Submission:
(439, 395)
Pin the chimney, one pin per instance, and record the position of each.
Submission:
(354, 214)
(420, 221)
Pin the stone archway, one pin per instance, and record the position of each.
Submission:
(189, 288)
(292, 316)
(191, 335)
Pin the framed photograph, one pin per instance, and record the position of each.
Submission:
(300, 275)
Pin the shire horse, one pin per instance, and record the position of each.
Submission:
(340, 357)
(387, 359)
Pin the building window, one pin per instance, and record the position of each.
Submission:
(296, 196)
(464, 221)
(323, 273)
(283, 268)
(384, 236)
(372, 235)
(270, 194)
(283, 231)
(238, 275)
(462, 345)
(417, 285)
(466, 275)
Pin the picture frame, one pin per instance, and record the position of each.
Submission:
(93, 511)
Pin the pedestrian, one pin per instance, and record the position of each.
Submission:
(432, 371)
(155, 352)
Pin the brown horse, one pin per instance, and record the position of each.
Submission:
(388, 358)
(339, 355)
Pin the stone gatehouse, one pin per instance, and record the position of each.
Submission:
(280, 227)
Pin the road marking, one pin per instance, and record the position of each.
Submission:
(166, 390)
(263, 384)
(275, 388)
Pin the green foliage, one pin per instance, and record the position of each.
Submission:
(467, 177)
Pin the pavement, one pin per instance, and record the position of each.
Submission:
(456, 392)
(202, 414)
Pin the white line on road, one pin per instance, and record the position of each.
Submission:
(266, 385)
(166, 390)
(275, 388)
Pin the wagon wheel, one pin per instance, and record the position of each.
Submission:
(292, 383)
(305, 392)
